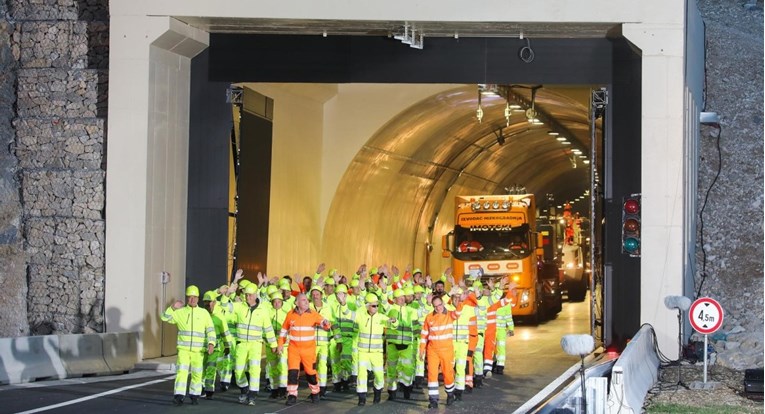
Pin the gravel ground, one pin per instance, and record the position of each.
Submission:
(729, 392)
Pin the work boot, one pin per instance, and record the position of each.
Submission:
(224, 386)
(251, 397)
(487, 374)
(432, 403)
(362, 399)
(291, 400)
(407, 392)
(391, 395)
(274, 394)
(209, 395)
(282, 392)
(322, 392)
(352, 380)
(194, 400)
(478, 381)
(315, 398)
(243, 396)
(345, 385)
(500, 370)
(418, 382)
(378, 395)
(468, 389)
(449, 399)
(178, 399)
(338, 387)
(457, 396)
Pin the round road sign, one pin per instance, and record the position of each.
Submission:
(706, 315)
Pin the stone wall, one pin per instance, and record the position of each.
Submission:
(13, 283)
(733, 215)
(61, 49)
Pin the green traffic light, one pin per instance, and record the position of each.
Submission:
(631, 244)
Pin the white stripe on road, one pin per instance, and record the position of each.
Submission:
(92, 397)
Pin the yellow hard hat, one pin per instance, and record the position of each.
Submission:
(354, 283)
(418, 289)
(398, 293)
(315, 289)
(210, 296)
(329, 281)
(408, 291)
(284, 284)
(192, 291)
(244, 283)
(415, 271)
(371, 298)
(341, 288)
(251, 289)
(276, 295)
(271, 289)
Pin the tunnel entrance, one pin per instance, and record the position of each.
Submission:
(478, 156)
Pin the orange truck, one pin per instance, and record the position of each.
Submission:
(495, 236)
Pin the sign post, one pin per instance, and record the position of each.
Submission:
(706, 317)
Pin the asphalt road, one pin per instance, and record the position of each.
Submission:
(535, 359)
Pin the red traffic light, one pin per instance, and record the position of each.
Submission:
(631, 206)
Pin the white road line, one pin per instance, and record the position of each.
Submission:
(92, 397)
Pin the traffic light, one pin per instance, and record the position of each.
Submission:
(631, 225)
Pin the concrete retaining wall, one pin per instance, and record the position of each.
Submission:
(35, 358)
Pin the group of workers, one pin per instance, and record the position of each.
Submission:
(403, 328)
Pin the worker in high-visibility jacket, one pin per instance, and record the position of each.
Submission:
(299, 326)
(491, 329)
(423, 307)
(276, 362)
(436, 340)
(253, 326)
(482, 303)
(505, 328)
(345, 332)
(196, 334)
(372, 325)
(214, 362)
(322, 338)
(464, 329)
(401, 350)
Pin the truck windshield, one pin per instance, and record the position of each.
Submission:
(491, 245)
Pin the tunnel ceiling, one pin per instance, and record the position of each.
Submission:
(441, 137)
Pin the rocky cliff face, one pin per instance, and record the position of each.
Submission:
(730, 266)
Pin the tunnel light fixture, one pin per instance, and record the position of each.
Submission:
(565, 143)
(586, 162)
(561, 139)
(553, 133)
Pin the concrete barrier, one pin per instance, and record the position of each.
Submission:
(30, 358)
(120, 351)
(634, 373)
(82, 355)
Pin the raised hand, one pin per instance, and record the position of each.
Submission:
(321, 268)
(178, 304)
(239, 275)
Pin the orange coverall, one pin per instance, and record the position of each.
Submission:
(300, 328)
(437, 339)
(490, 336)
